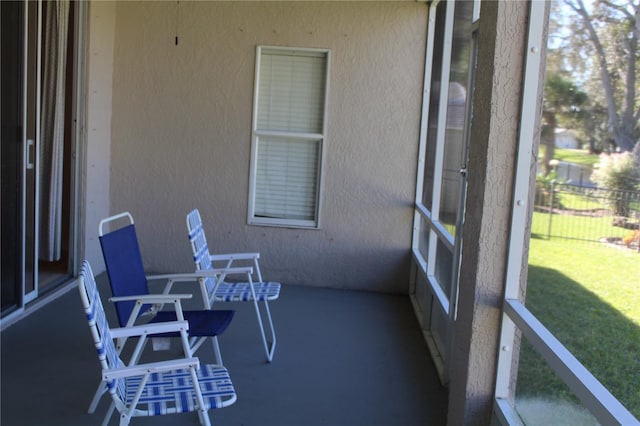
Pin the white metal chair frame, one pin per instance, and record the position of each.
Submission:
(156, 299)
(215, 288)
(157, 302)
(127, 384)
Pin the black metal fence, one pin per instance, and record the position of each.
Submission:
(590, 213)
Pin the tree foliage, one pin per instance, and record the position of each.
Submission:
(619, 172)
(598, 45)
(564, 98)
(562, 107)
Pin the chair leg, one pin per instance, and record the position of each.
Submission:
(273, 332)
(203, 417)
(216, 350)
(269, 349)
(102, 389)
(124, 420)
(202, 412)
(110, 411)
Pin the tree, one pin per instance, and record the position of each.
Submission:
(563, 102)
(604, 37)
(596, 130)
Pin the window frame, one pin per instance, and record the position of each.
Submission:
(431, 237)
(256, 134)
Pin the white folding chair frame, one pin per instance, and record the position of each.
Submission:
(96, 317)
(196, 230)
(157, 301)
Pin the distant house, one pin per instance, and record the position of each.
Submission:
(567, 139)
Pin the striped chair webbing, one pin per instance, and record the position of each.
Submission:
(241, 291)
(172, 392)
(227, 292)
(195, 223)
(99, 326)
(201, 255)
(107, 353)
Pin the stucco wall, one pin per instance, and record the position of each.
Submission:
(101, 26)
(181, 133)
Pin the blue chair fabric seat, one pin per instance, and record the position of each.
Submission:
(127, 277)
(201, 323)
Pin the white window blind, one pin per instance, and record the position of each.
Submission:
(287, 178)
(291, 91)
(288, 136)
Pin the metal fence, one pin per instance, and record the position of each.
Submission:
(590, 213)
(577, 174)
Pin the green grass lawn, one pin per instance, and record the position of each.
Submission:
(577, 156)
(588, 296)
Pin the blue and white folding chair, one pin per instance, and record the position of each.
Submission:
(129, 286)
(217, 289)
(133, 300)
(166, 387)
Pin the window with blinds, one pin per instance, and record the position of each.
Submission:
(288, 136)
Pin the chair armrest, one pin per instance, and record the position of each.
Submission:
(217, 274)
(234, 256)
(147, 329)
(156, 300)
(152, 298)
(154, 367)
(194, 276)
(188, 276)
(229, 258)
(228, 271)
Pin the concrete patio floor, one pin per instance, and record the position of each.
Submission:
(342, 358)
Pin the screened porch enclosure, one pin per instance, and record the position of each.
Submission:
(411, 144)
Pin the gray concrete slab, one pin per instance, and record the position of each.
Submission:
(342, 358)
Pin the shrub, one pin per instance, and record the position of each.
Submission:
(618, 172)
(631, 237)
(544, 188)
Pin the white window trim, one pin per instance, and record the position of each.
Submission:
(256, 134)
(436, 230)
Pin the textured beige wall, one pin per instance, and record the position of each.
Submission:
(181, 133)
(101, 25)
